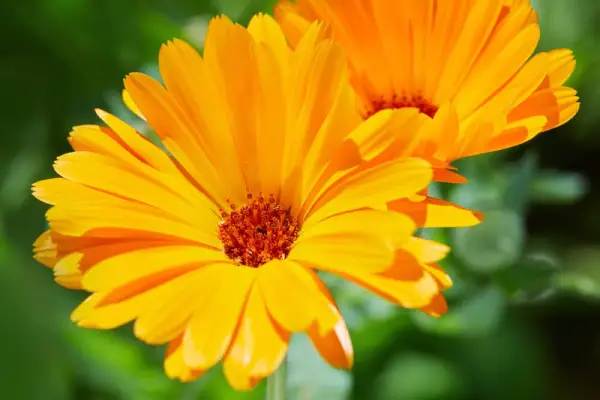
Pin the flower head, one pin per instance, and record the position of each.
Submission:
(269, 175)
(465, 64)
(469, 60)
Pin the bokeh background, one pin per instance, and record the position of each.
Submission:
(525, 315)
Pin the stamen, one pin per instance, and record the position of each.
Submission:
(402, 101)
(258, 232)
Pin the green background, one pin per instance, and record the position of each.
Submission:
(525, 315)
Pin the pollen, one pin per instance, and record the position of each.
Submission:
(258, 232)
(402, 101)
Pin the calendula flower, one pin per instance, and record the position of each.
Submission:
(466, 64)
(269, 176)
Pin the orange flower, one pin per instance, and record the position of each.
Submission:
(466, 64)
(271, 175)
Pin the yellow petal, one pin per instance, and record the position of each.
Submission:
(265, 30)
(67, 272)
(138, 144)
(443, 279)
(289, 293)
(125, 220)
(362, 241)
(390, 226)
(165, 319)
(370, 187)
(318, 88)
(59, 190)
(177, 133)
(108, 310)
(127, 267)
(175, 366)
(436, 213)
(562, 65)
(129, 103)
(110, 176)
(490, 76)
(425, 250)
(212, 327)
(192, 86)
(258, 348)
(473, 36)
(406, 283)
(230, 56)
(44, 249)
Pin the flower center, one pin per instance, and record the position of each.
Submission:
(258, 232)
(403, 101)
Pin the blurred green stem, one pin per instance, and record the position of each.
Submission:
(276, 383)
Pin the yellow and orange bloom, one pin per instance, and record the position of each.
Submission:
(270, 176)
(466, 64)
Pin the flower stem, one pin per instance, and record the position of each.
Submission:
(276, 383)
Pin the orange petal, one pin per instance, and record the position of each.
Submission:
(334, 346)
(558, 105)
(437, 307)
(443, 175)
(294, 25)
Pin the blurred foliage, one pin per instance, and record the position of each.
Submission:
(524, 320)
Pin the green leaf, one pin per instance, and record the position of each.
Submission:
(116, 365)
(579, 283)
(553, 187)
(234, 9)
(33, 365)
(517, 194)
(195, 30)
(419, 377)
(474, 317)
(215, 386)
(478, 195)
(358, 305)
(531, 278)
(494, 244)
(310, 378)
(583, 275)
